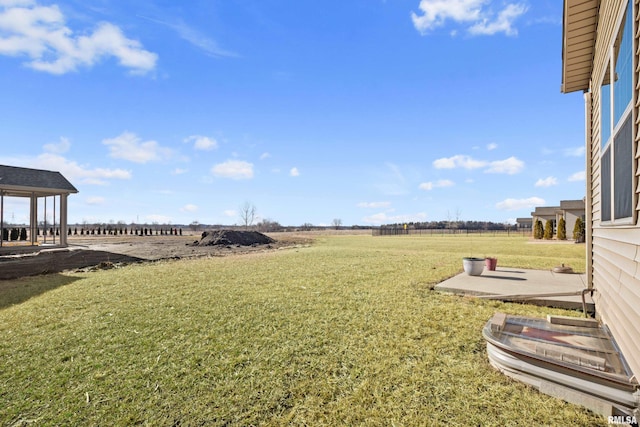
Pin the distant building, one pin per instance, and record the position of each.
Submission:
(524, 223)
(570, 210)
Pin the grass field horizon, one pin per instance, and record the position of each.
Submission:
(345, 331)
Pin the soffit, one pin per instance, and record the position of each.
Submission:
(580, 19)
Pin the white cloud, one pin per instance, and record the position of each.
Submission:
(128, 146)
(294, 172)
(517, 204)
(492, 146)
(477, 15)
(374, 205)
(385, 218)
(95, 200)
(179, 171)
(264, 156)
(234, 169)
(547, 182)
(189, 208)
(71, 170)
(578, 176)
(202, 142)
(40, 33)
(575, 151)
(195, 37)
(61, 147)
(458, 161)
(503, 23)
(510, 166)
(438, 184)
(230, 213)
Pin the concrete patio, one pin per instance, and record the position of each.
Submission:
(539, 287)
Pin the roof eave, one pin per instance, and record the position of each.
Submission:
(579, 24)
(22, 190)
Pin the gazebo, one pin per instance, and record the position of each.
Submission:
(36, 184)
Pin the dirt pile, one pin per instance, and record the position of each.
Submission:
(233, 238)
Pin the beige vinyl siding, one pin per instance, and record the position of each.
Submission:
(616, 249)
(637, 154)
(617, 297)
(595, 162)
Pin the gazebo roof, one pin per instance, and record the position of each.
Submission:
(22, 182)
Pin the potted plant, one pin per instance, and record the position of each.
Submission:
(473, 266)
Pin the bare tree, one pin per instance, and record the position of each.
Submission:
(337, 222)
(269, 225)
(248, 214)
(194, 226)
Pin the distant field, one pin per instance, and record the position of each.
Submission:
(345, 331)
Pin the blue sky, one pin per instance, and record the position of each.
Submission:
(369, 111)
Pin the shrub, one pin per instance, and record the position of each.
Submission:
(548, 230)
(14, 234)
(562, 229)
(578, 230)
(23, 234)
(5, 234)
(538, 231)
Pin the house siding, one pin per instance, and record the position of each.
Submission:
(615, 249)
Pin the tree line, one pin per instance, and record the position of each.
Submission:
(451, 225)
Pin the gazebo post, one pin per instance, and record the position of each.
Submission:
(54, 219)
(33, 218)
(45, 220)
(63, 219)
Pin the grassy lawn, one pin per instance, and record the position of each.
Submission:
(347, 331)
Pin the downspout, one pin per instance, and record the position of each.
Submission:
(588, 208)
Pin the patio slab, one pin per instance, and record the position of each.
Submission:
(518, 284)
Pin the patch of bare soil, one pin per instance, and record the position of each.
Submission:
(89, 253)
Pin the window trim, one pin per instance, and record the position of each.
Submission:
(614, 129)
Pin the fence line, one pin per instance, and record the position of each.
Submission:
(445, 231)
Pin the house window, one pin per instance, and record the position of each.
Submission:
(616, 93)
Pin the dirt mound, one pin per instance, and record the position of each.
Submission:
(232, 237)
